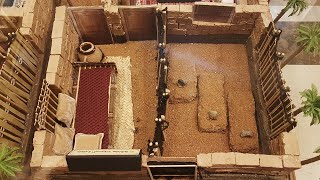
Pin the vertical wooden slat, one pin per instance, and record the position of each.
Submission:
(277, 102)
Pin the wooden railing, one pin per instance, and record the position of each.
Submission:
(162, 92)
(45, 114)
(276, 99)
(19, 67)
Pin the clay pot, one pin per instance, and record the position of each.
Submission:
(89, 53)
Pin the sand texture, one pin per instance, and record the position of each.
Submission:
(144, 82)
(183, 137)
(123, 132)
(211, 98)
(184, 69)
(242, 117)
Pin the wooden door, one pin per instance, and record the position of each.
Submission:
(92, 25)
(139, 23)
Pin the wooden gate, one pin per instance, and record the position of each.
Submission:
(19, 66)
(276, 98)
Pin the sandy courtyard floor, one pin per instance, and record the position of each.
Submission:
(183, 137)
(230, 60)
(143, 71)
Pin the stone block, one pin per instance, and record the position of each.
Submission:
(245, 159)
(185, 8)
(56, 47)
(173, 14)
(191, 26)
(54, 161)
(223, 159)
(266, 18)
(172, 25)
(187, 20)
(27, 20)
(176, 31)
(194, 32)
(60, 13)
(270, 161)
(36, 157)
(144, 160)
(39, 137)
(290, 144)
(291, 162)
(172, 7)
(255, 8)
(204, 160)
(53, 79)
(59, 29)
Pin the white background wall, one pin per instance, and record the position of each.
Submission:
(299, 78)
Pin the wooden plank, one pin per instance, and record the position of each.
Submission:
(14, 98)
(9, 72)
(14, 89)
(139, 23)
(31, 61)
(26, 45)
(13, 110)
(89, 23)
(9, 142)
(27, 52)
(21, 70)
(18, 53)
(17, 139)
(10, 128)
(12, 119)
(6, 100)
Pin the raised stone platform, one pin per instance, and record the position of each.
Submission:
(243, 135)
(211, 98)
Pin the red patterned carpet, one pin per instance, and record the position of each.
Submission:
(92, 103)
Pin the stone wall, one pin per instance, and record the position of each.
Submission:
(37, 21)
(65, 41)
(114, 21)
(285, 159)
(180, 21)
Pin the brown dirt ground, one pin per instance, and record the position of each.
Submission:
(181, 68)
(142, 54)
(212, 98)
(242, 117)
(182, 137)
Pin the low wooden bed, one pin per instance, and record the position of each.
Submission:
(95, 100)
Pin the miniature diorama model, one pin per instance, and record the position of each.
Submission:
(191, 90)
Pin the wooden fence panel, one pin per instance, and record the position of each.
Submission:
(17, 76)
(45, 115)
(276, 100)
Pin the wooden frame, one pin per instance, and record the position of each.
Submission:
(276, 100)
(111, 90)
(70, 9)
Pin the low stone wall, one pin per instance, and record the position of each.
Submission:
(65, 41)
(114, 21)
(286, 160)
(181, 22)
(37, 21)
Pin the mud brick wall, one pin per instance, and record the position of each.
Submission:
(114, 21)
(36, 22)
(249, 163)
(180, 21)
(261, 23)
(85, 2)
(65, 41)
